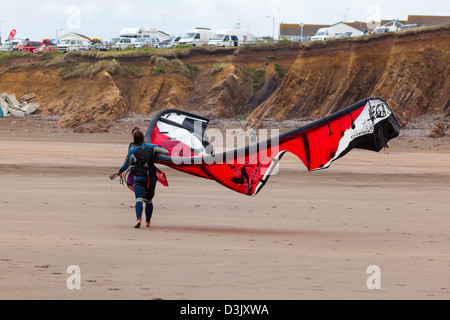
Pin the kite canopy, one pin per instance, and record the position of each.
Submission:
(368, 124)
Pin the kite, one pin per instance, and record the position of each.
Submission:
(368, 124)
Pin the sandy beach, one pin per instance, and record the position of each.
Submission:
(306, 235)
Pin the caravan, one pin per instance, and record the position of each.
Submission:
(197, 37)
(229, 38)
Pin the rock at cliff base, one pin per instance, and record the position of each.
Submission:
(438, 131)
(16, 113)
(30, 108)
(12, 101)
(27, 97)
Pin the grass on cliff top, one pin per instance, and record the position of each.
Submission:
(132, 53)
(9, 55)
(72, 66)
(85, 69)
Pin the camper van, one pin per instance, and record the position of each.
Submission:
(66, 45)
(229, 38)
(197, 37)
(323, 34)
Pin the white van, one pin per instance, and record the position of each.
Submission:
(66, 45)
(197, 37)
(229, 38)
(323, 34)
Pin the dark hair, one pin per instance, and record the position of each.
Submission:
(135, 128)
(138, 137)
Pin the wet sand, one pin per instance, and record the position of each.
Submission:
(306, 235)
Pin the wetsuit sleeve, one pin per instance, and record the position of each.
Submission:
(128, 161)
(161, 150)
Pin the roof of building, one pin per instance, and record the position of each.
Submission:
(360, 25)
(428, 20)
(292, 29)
(73, 36)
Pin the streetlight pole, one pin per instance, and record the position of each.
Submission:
(57, 33)
(273, 27)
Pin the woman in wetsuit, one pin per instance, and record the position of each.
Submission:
(142, 157)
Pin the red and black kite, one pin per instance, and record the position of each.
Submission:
(368, 124)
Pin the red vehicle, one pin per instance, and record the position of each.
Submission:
(46, 48)
(30, 46)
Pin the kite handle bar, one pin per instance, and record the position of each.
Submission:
(113, 176)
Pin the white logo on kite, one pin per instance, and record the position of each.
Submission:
(379, 110)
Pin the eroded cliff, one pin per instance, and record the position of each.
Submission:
(410, 70)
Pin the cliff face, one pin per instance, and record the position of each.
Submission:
(410, 70)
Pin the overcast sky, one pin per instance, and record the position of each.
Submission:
(105, 18)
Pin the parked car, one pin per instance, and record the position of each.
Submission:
(391, 26)
(123, 43)
(106, 46)
(169, 42)
(140, 42)
(252, 40)
(343, 35)
(164, 42)
(6, 47)
(299, 39)
(10, 44)
(30, 46)
(174, 42)
(96, 43)
(380, 30)
(155, 42)
(47, 48)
